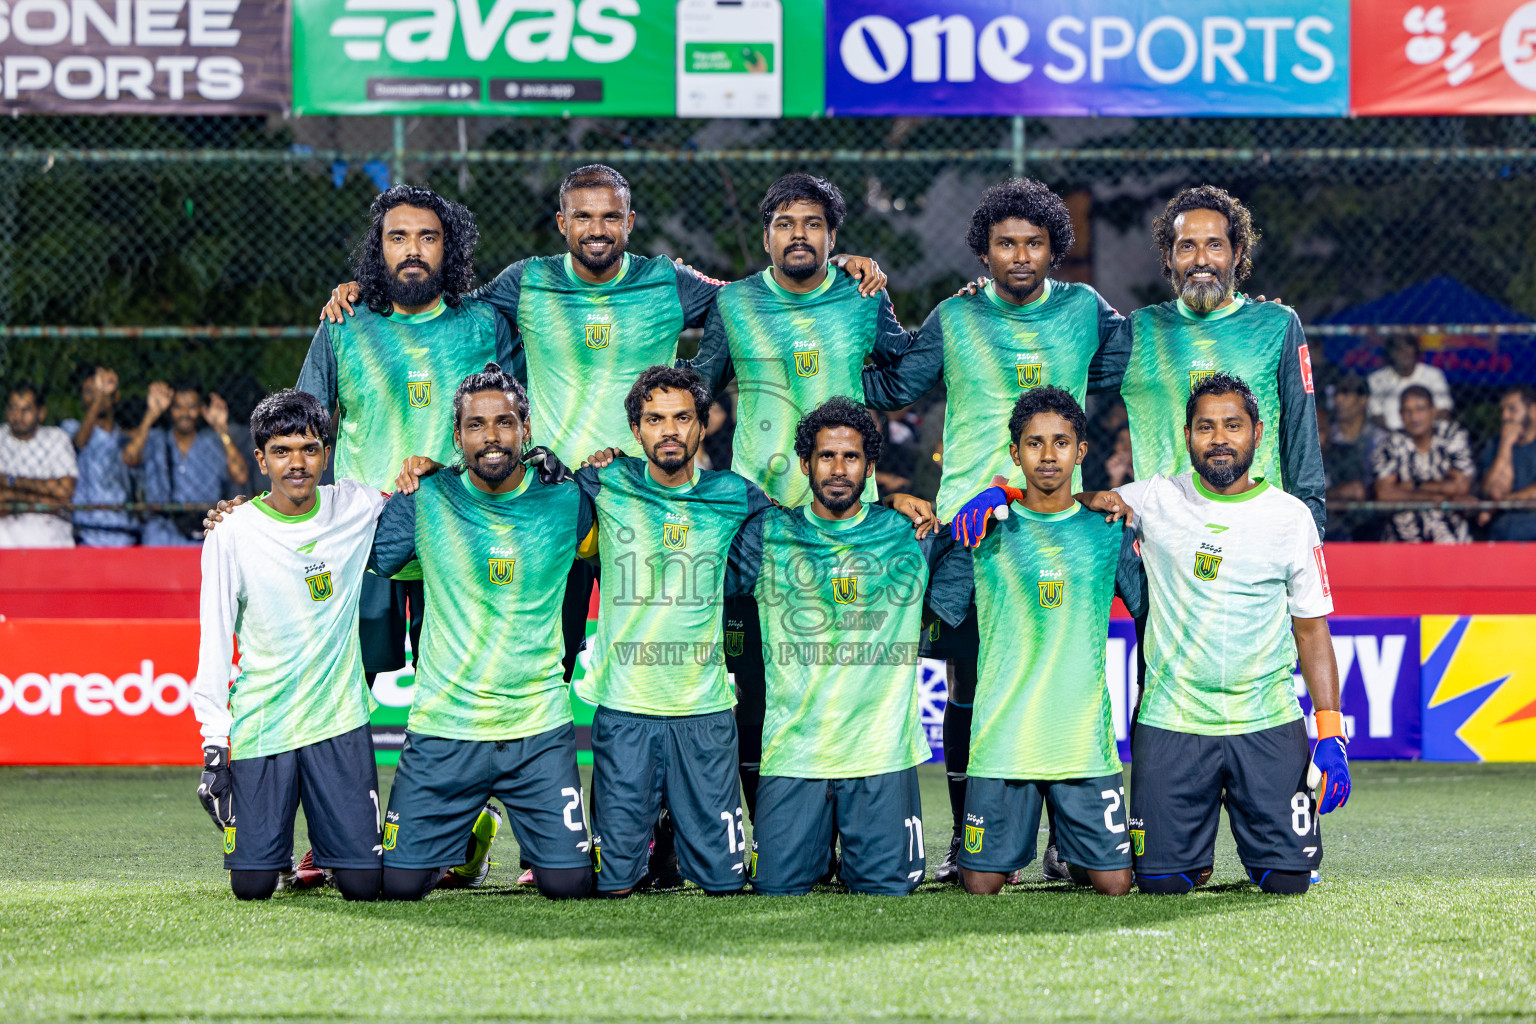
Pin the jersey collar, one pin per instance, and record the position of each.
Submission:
(275, 514)
(1046, 517)
(570, 271)
(837, 524)
(1260, 486)
(785, 293)
(682, 488)
(421, 318)
(1237, 303)
(469, 485)
(990, 291)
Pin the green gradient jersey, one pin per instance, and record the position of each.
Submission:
(657, 650)
(1043, 584)
(841, 607)
(494, 567)
(392, 379)
(580, 346)
(1225, 574)
(989, 352)
(1172, 348)
(287, 588)
(790, 352)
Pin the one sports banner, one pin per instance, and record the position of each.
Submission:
(144, 56)
(1478, 686)
(631, 58)
(1132, 58)
(1449, 57)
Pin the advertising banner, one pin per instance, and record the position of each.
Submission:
(1451, 57)
(632, 58)
(1129, 58)
(144, 56)
(1479, 687)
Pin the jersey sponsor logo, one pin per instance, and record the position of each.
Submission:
(307, 549)
(391, 834)
(319, 585)
(1305, 355)
(735, 642)
(973, 838)
(1217, 528)
(229, 840)
(1206, 565)
(845, 589)
(1029, 374)
(501, 570)
(1322, 569)
(674, 536)
(807, 362)
(419, 392)
(599, 335)
(1051, 592)
(1196, 376)
(1139, 842)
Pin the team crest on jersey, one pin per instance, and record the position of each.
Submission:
(752, 863)
(807, 362)
(391, 833)
(419, 392)
(229, 840)
(1029, 374)
(735, 642)
(319, 585)
(501, 570)
(973, 838)
(1196, 376)
(598, 335)
(1139, 842)
(674, 536)
(845, 589)
(1206, 565)
(1051, 592)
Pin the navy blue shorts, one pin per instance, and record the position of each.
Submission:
(1002, 822)
(691, 762)
(947, 643)
(441, 786)
(336, 782)
(386, 611)
(878, 818)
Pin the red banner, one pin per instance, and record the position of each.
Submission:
(1450, 57)
(98, 691)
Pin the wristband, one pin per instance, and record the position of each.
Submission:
(1329, 724)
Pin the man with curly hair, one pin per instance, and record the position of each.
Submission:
(1020, 331)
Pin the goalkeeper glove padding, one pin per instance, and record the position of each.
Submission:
(215, 787)
(1329, 771)
(970, 524)
(550, 469)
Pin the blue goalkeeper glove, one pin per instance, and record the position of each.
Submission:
(970, 524)
(215, 787)
(1329, 772)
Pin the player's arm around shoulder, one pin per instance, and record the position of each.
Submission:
(394, 538)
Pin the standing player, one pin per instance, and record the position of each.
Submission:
(1237, 593)
(490, 716)
(284, 575)
(1043, 731)
(1020, 331)
(663, 725)
(793, 336)
(839, 585)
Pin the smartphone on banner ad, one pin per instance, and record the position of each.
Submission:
(730, 58)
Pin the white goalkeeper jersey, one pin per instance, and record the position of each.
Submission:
(285, 587)
(1225, 573)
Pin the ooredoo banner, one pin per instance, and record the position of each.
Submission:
(1451, 57)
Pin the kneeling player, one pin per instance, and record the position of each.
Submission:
(1237, 590)
(490, 716)
(1042, 732)
(283, 574)
(839, 586)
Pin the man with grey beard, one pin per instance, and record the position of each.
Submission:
(1206, 238)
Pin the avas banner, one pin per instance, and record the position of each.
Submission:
(1131, 58)
(1452, 57)
(144, 56)
(633, 58)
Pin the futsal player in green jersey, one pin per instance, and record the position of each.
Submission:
(490, 716)
(663, 725)
(840, 587)
(1020, 331)
(1042, 734)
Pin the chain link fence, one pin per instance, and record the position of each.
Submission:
(201, 249)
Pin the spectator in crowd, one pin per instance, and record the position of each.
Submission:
(1405, 370)
(1509, 464)
(189, 463)
(1108, 462)
(901, 429)
(1429, 460)
(37, 464)
(104, 479)
(1349, 440)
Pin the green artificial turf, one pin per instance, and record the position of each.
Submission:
(113, 906)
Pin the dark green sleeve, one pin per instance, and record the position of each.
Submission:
(1107, 368)
(503, 291)
(745, 562)
(1301, 452)
(1131, 575)
(891, 339)
(950, 578)
(906, 375)
(586, 515)
(509, 350)
(318, 375)
(590, 482)
(696, 294)
(394, 539)
(757, 500)
(713, 361)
